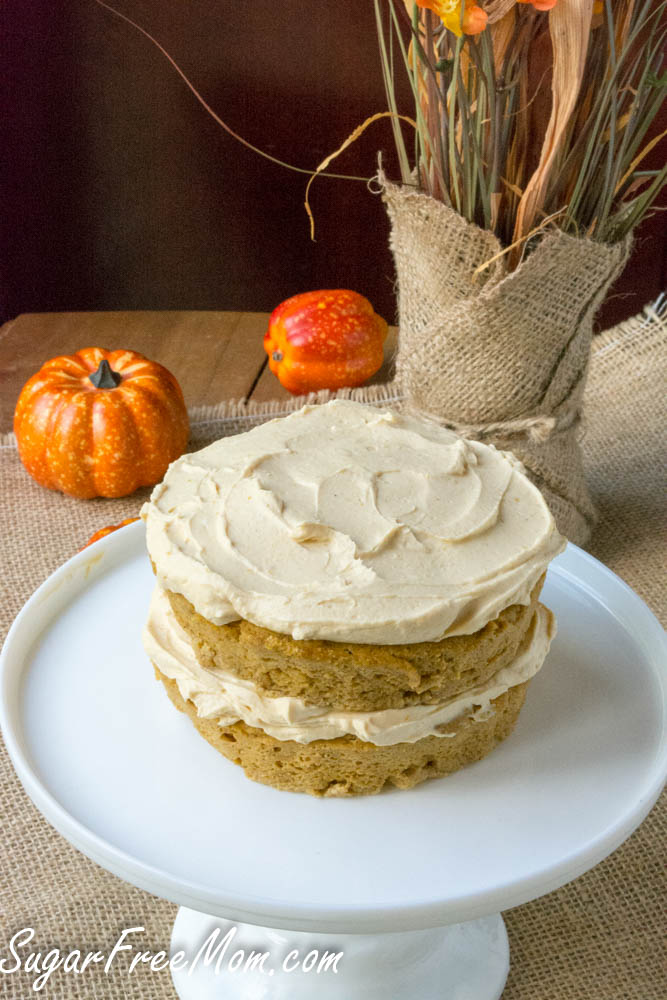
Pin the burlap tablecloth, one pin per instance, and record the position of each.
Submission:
(599, 938)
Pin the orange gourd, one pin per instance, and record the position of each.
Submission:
(324, 340)
(100, 423)
(103, 532)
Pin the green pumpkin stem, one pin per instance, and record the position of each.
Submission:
(105, 377)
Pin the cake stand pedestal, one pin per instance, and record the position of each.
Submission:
(467, 961)
(407, 885)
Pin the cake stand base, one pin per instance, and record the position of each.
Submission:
(220, 958)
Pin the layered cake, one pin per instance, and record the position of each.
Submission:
(347, 597)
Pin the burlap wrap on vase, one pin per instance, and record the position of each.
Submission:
(500, 356)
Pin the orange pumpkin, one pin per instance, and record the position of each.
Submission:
(100, 423)
(103, 532)
(324, 340)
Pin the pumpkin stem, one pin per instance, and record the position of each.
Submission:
(105, 377)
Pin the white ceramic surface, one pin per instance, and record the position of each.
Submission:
(126, 778)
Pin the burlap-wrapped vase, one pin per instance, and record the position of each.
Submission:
(501, 356)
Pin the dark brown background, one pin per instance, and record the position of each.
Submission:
(119, 191)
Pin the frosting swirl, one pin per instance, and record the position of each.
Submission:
(350, 523)
(226, 698)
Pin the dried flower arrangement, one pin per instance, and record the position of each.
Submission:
(482, 141)
(516, 210)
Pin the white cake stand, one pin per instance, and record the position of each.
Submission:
(407, 885)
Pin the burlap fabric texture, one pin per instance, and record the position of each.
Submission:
(600, 937)
(500, 356)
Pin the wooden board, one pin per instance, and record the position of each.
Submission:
(214, 355)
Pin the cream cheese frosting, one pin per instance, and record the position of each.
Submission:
(220, 695)
(350, 523)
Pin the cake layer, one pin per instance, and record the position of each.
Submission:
(354, 676)
(227, 699)
(349, 766)
(348, 523)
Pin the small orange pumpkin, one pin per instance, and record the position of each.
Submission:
(100, 423)
(324, 340)
(103, 532)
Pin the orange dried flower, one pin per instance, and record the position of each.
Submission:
(540, 4)
(449, 12)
